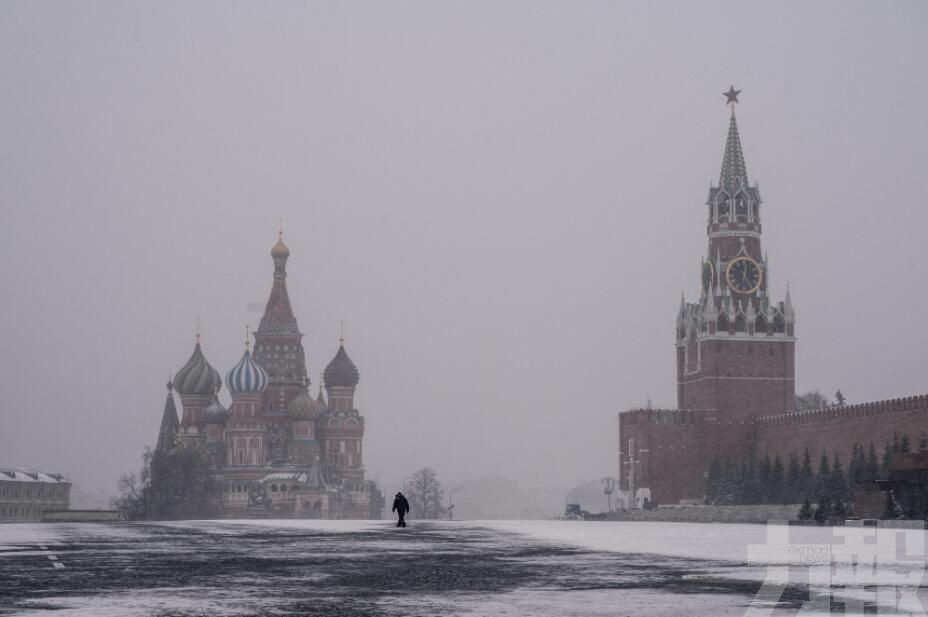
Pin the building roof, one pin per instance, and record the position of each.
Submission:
(341, 371)
(197, 376)
(247, 376)
(23, 474)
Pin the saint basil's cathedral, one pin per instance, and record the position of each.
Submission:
(277, 450)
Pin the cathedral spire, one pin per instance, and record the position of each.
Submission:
(167, 436)
(278, 315)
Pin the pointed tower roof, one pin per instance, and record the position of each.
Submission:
(734, 173)
(169, 422)
(278, 315)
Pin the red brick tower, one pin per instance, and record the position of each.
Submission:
(735, 346)
(735, 353)
(342, 427)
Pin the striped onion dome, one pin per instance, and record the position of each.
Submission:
(246, 376)
(197, 377)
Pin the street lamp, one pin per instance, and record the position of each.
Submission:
(608, 489)
(451, 502)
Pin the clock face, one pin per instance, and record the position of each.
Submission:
(744, 275)
(708, 276)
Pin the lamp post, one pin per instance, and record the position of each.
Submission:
(608, 489)
(451, 502)
(631, 501)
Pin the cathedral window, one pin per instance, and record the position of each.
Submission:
(273, 488)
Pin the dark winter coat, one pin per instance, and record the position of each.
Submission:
(400, 505)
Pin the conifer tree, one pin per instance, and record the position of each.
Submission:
(858, 463)
(777, 481)
(904, 445)
(807, 476)
(713, 482)
(837, 482)
(793, 480)
(872, 468)
(763, 478)
(823, 477)
(887, 463)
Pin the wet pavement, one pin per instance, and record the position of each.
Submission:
(349, 569)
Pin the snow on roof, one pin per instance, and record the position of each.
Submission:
(21, 474)
(297, 476)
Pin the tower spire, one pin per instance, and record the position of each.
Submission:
(734, 173)
(167, 436)
(278, 330)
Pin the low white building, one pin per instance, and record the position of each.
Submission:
(26, 493)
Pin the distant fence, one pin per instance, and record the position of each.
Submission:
(82, 516)
(711, 514)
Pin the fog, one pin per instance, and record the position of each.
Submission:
(502, 201)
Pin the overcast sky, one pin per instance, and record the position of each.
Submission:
(503, 201)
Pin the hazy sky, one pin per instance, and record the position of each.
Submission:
(503, 201)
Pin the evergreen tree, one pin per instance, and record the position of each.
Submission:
(777, 485)
(805, 512)
(793, 493)
(763, 479)
(807, 476)
(896, 443)
(886, 464)
(729, 488)
(904, 445)
(750, 490)
(857, 466)
(839, 398)
(823, 477)
(713, 481)
(837, 482)
(839, 509)
(872, 468)
(823, 511)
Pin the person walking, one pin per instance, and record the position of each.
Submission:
(401, 507)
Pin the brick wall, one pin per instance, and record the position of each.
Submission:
(837, 429)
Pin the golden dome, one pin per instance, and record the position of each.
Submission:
(280, 249)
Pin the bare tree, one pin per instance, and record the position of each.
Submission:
(425, 494)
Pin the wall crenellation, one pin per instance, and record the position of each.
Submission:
(845, 412)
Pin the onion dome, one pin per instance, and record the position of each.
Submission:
(304, 407)
(341, 371)
(215, 413)
(197, 377)
(280, 250)
(246, 376)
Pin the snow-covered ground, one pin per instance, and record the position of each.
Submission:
(482, 568)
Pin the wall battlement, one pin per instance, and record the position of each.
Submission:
(662, 417)
(909, 404)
